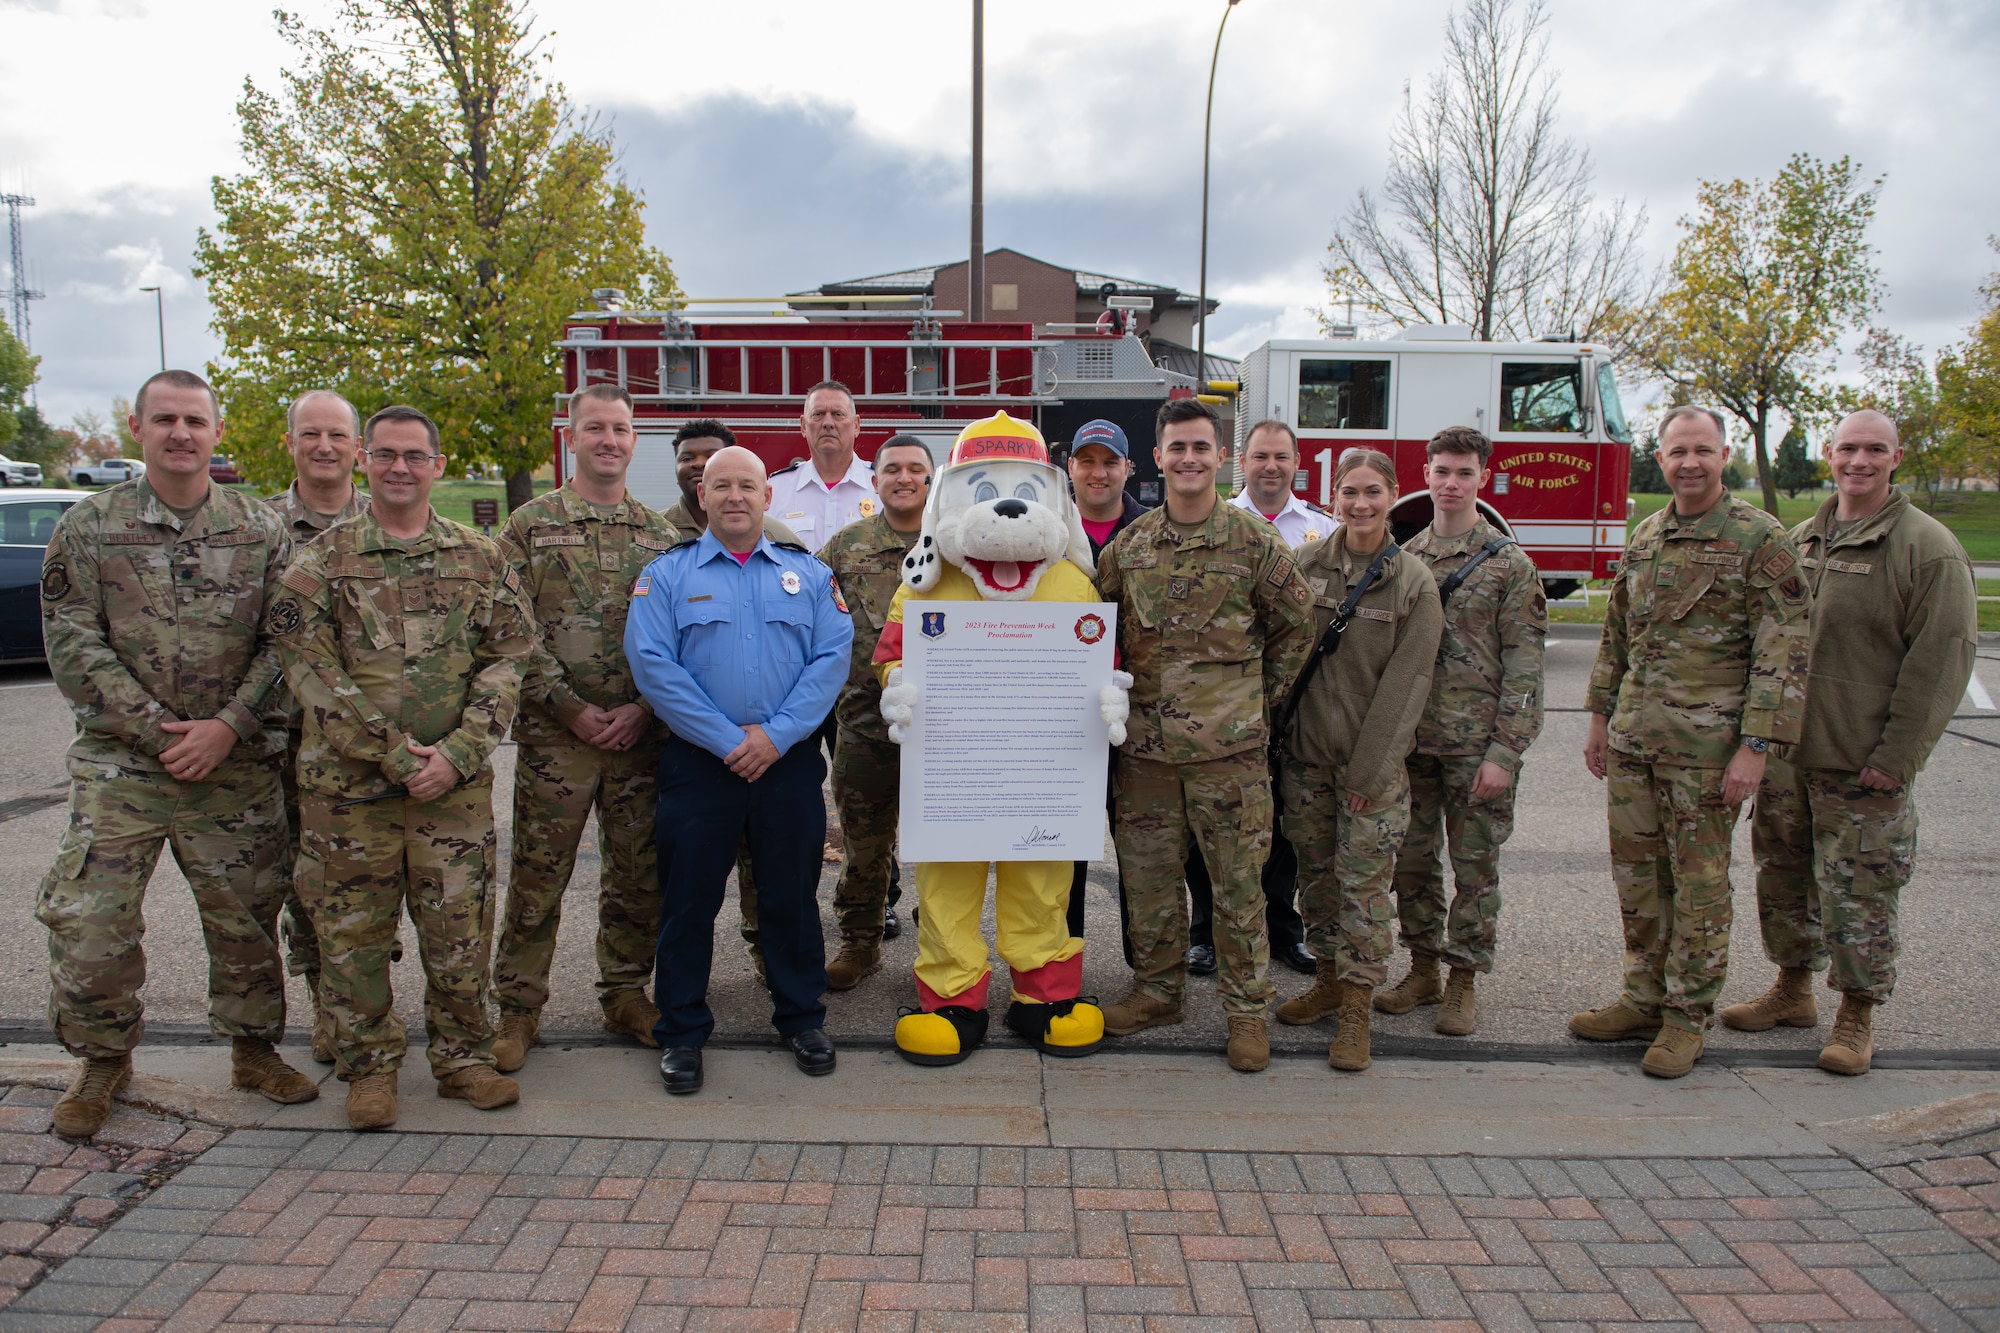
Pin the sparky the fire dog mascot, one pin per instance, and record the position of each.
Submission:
(999, 526)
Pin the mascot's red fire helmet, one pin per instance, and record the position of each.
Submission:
(1000, 512)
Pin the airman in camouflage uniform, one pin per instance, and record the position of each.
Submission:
(389, 644)
(1346, 795)
(577, 564)
(301, 944)
(867, 560)
(1485, 707)
(150, 617)
(1214, 623)
(1834, 831)
(1702, 661)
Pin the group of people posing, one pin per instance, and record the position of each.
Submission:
(302, 698)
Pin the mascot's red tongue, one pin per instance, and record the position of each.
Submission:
(1003, 575)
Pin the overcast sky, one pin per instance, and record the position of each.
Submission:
(781, 144)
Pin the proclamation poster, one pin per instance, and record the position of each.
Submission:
(1006, 758)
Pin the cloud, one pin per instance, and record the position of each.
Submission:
(96, 332)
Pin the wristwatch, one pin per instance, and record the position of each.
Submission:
(1756, 744)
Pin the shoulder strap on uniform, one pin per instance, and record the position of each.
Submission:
(791, 546)
(1464, 571)
(792, 466)
(1328, 645)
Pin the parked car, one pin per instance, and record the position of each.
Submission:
(222, 470)
(107, 472)
(19, 474)
(26, 524)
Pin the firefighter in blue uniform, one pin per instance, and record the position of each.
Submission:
(741, 647)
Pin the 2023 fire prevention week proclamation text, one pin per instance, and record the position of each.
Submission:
(1006, 759)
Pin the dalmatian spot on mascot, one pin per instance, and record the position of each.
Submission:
(1000, 525)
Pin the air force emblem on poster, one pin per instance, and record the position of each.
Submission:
(933, 624)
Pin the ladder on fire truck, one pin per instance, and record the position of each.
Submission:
(723, 356)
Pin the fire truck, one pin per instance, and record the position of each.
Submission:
(1561, 446)
(912, 370)
(1561, 456)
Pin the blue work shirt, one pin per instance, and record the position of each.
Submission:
(715, 645)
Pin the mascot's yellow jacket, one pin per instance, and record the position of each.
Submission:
(999, 510)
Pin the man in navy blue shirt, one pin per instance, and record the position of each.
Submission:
(741, 647)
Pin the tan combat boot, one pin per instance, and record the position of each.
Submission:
(632, 1017)
(1460, 1014)
(1138, 1011)
(1789, 1001)
(511, 1044)
(1349, 1050)
(1672, 1053)
(482, 1087)
(255, 1067)
(1315, 1004)
(1851, 1050)
(82, 1110)
(1419, 986)
(323, 1029)
(854, 962)
(1616, 1021)
(1249, 1044)
(371, 1101)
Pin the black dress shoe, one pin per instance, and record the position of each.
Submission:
(891, 926)
(1297, 957)
(812, 1051)
(680, 1069)
(1201, 960)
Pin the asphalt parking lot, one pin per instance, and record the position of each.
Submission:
(1559, 941)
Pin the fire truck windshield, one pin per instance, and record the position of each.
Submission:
(1610, 404)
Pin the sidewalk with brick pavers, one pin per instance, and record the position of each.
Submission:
(274, 1229)
(57, 1197)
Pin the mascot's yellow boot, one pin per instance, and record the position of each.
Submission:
(943, 1037)
(1067, 1028)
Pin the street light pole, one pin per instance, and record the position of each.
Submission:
(160, 312)
(975, 269)
(1201, 299)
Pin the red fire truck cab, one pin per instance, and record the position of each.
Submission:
(1561, 446)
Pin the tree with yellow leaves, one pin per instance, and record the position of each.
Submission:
(1765, 281)
(423, 208)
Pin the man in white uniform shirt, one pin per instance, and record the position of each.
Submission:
(1270, 458)
(819, 495)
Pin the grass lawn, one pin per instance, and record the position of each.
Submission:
(1973, 516)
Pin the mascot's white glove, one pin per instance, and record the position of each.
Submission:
(899, 704)
(1114, 704)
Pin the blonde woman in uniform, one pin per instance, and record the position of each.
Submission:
(1345, 794)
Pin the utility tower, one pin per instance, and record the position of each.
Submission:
(18, 293)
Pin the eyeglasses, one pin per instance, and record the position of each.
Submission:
(409, 458)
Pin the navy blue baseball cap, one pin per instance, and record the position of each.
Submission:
(1102, 432)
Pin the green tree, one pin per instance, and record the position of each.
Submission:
(1968, 388)
(1647, 479)
(36, 441)
(1765, 281)
(423, 208)
(1898, 382)
(1794, 470)
(18, 373)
